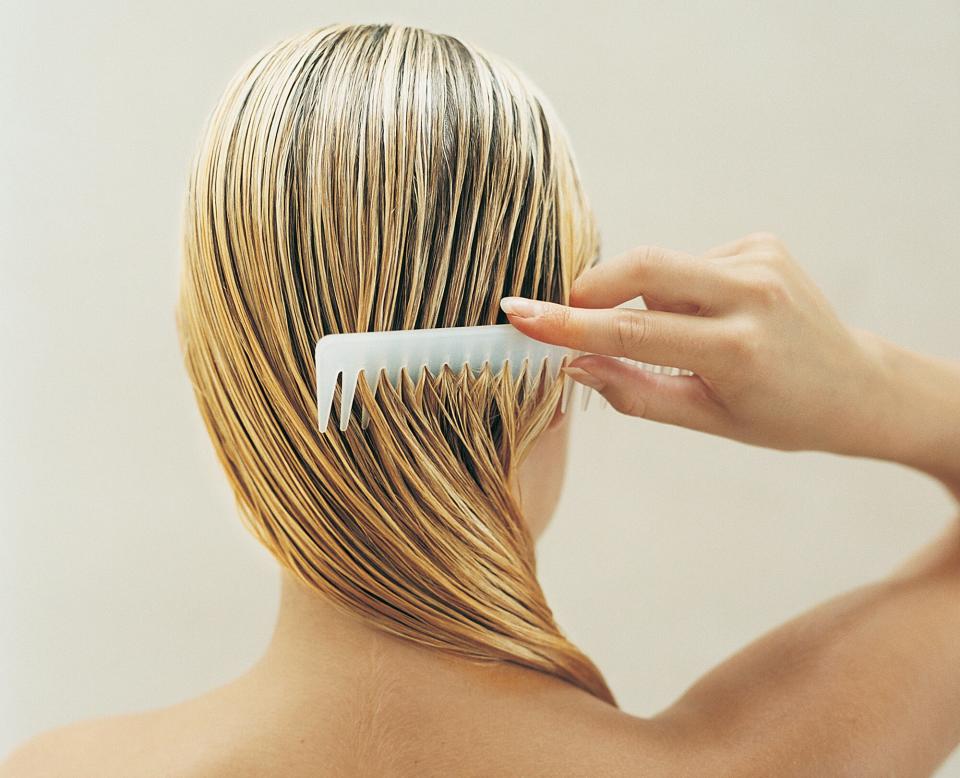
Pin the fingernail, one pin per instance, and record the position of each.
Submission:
(581, 376)
(521, 307)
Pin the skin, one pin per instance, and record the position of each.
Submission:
(865, 684)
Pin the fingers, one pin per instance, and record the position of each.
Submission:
(680, 400)
(667, 275)
(702, 345)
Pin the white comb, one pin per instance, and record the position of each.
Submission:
(493, 345)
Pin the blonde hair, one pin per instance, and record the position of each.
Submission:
(379, 177)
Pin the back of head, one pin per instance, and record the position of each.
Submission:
(380, 177)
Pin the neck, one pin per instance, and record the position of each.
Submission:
(317, 648)
(332, 688)
(311, 630)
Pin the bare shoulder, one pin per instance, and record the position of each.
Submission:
(164, 741)
(94, 747)
(567, 733)
(548, 728)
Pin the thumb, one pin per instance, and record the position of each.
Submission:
(681, 400)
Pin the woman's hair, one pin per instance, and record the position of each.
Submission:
(381, 177)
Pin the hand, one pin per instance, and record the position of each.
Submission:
(772, 363)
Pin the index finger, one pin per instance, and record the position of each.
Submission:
(656, 337)
(664, 274)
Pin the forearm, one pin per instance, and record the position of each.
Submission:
(920, 427)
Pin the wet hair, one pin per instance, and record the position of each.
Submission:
(374, 177)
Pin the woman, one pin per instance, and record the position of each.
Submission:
(378, 177)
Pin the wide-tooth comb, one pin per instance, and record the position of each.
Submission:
(346, 355)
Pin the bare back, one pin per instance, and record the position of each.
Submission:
(846, 689)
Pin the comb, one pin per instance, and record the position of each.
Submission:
(345, 356)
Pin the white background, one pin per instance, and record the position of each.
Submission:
(126, 579)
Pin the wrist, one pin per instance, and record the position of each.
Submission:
(920, 424)
(881, 397)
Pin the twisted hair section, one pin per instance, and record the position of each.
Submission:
(377, 177)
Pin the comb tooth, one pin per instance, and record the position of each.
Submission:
(423, 370)
(347, 390)
(543, 368)
(565, 392)
(325, 389)
(553, 363)
(364, 414)
(526, 369)
(585, 393)
(575, 390)
(526, 364)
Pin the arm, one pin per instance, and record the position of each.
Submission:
(867, 683)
